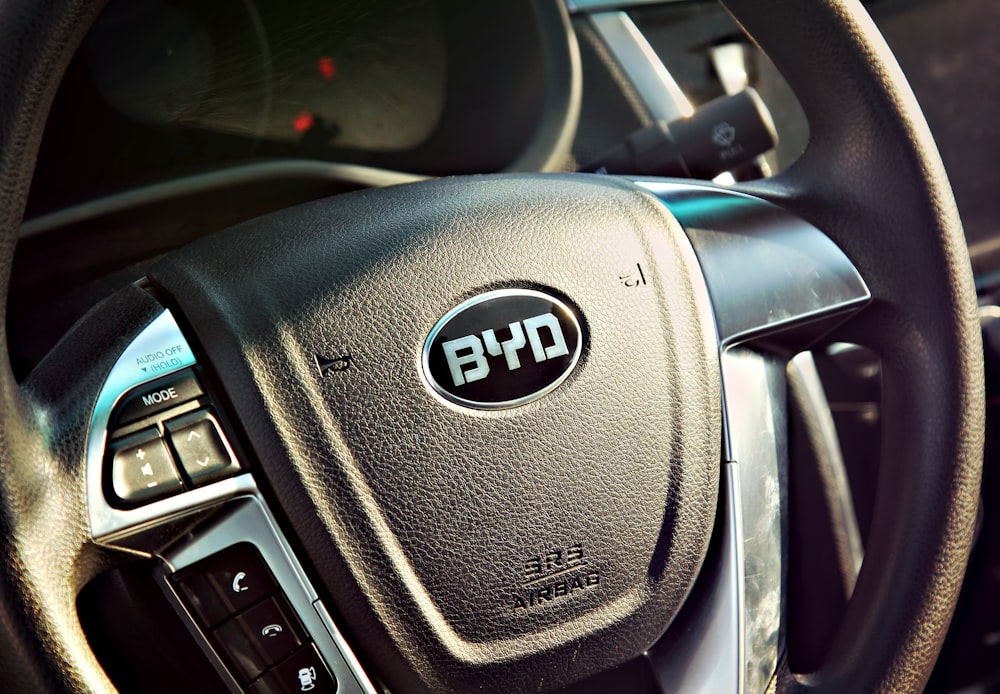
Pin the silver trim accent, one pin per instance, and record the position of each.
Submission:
(654, 84)
(707, 653)
(757, 257)
(248, 520)
(450, 398)
(757, 442)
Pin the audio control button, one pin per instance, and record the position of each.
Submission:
(198, 442)
(157, 396)
(142, 469)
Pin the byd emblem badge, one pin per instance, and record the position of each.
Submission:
(502, 349)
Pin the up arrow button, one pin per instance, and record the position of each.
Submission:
(201, 448)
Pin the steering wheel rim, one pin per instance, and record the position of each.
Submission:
(871, 179)
(869, 136)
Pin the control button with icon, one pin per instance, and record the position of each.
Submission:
(142, 469)
(237, 584)
(303, 671)
(225, 583)
(307, 679)
(260, 636)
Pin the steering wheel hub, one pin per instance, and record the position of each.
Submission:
(525, 548)
(486, 542)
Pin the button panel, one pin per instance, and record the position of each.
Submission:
(136, 418)
(250, 623)
(178, 450)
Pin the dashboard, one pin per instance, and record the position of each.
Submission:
(178, 118)
(163, 89)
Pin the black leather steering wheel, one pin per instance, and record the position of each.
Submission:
(871, 180)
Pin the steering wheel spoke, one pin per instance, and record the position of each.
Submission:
(767, 270)
(777, 283)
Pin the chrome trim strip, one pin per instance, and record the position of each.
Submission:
(735, 509)
(756, 423)
(766, 268)
(248, 520)
(707, 655)
(657, 88)
(345, 651)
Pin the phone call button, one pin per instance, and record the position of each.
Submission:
(225, 583)
(261, 636)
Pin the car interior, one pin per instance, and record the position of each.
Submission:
(544, 345)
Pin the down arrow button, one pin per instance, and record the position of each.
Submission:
(200, 448)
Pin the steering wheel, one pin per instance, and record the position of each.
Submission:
(447, 528)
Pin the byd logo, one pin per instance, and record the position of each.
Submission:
(470, 349)
(502, 349)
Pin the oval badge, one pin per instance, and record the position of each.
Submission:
(502, 349)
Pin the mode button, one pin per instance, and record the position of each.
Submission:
(157, 396)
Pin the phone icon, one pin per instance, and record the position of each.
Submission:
(237, 582)
(271, 630)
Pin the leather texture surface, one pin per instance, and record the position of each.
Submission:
(510, 550)
(45, 557)
(872, 179)
(48, 554)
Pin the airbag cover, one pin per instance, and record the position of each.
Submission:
(466, 548)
